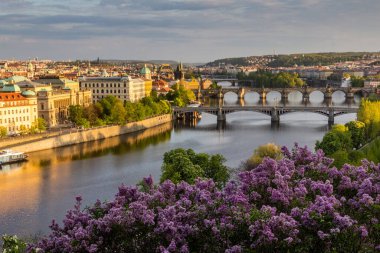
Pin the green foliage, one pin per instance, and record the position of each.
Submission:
(357, 130)
(24, 129)
(369, 114)
(266, 79)
(372, 151)
(338, 139)
(340, 158)
(180, 96)
(3, 131)
(110, 110)
(268, 150)
(38, 125)
(12, 244)
(186, 165)
(76, 113)
(357, 81)
(315, 59)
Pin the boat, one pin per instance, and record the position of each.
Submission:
(10, 156)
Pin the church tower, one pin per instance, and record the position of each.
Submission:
(146, 73)
(179, 73)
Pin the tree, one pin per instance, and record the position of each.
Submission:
(39, 124)
(357, 130)
(270, 150)
(369, 114)
(186, 165)
(23, 129)
(178, 167)
(118, 113)
(92, 114)
(3, 131)
(180, 96)
(338, 139)
(76, 113)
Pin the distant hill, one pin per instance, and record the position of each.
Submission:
(121, 62)
(310, 59)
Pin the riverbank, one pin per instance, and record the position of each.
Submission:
(86, 135)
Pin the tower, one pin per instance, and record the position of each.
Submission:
(179, 73)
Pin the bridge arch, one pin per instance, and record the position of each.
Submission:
(225, 92)
(251, 93)
(224, 83)
(337, 91)
(314, 112)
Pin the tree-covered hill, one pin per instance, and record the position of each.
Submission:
(290, 60)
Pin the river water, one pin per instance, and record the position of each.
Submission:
(44, 188)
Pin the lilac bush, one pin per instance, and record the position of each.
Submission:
(297, 204)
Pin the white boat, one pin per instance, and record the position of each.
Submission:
(9, 156)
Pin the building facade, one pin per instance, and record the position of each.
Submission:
(53, 105)
(18, 110)
(124, 88)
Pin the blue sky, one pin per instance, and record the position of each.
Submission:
(186, 30)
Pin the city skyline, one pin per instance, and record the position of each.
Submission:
(189, 30)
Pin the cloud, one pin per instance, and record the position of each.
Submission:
(227, 27)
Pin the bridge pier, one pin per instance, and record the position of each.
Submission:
(331, 116)
(305, 97)
(241, 93)
(221, 116)
(263, 95)
(284, 96)
(241, 102)
(275, 117)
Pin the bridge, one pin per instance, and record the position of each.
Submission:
(273, 111)
(305, 91)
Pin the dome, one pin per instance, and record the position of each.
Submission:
(11, 88)
(145, 70)
(28, 93)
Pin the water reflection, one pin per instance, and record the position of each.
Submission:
(46, 184)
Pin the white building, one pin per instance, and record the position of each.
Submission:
(18, 109)
(372, 83)
(124, 88)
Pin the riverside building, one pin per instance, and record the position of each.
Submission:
(124, 88)
(54, 97)
(18, 110)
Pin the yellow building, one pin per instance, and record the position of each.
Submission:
(206, 84)
(192, 84)
(17, 109)
(53, 105)
(146, 75)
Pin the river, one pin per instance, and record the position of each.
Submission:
(44, 188)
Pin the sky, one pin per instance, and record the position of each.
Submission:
(184, 30)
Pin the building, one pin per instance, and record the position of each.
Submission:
(372, 83)
(125, 88)
(59, 83)
(53, 105)
(18, 110)
(146, 75)
(54, 97)
(191, 84)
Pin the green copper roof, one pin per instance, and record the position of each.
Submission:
(11, 88)
(145, 70)
(28, 93)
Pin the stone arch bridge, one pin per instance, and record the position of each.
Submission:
(272, 111)
(305, 91)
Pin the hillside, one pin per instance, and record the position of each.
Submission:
(290, 60)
